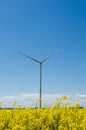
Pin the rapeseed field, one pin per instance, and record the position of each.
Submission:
(59, 117)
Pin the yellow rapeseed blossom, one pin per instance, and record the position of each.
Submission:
(64, 98)
(0, 104)
(76, 105)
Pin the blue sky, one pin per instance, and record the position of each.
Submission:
(38, 28)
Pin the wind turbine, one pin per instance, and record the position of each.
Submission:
(41, 63)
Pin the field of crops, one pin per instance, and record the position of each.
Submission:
(60, 117)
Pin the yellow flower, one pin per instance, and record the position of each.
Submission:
(14, 102)
(0, 104)
(64, 98)
(76, 105)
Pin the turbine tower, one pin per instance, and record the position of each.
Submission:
(41, 63)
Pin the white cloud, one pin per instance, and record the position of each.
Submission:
(31, 98)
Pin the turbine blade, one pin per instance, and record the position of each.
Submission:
(29, 57)
(50, 56)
